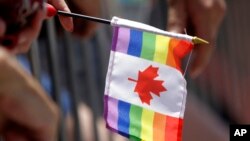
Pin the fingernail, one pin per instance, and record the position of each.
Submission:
(70, 25)
(50, 11)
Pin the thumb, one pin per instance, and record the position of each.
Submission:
(177, 17)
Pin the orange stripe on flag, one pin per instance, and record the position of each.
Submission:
(171, 59)
(173, 129)
(159, 127)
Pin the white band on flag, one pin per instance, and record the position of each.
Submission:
(170, 102)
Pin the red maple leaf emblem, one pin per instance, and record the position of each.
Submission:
(146, 84)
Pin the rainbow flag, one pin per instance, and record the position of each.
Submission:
(157, 48)
(145, 89)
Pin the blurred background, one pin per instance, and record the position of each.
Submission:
(73, 70)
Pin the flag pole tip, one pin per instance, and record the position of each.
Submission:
(197, 40)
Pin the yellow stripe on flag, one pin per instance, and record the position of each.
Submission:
(147, 121)
(161, 49)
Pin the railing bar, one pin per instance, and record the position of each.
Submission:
(55, 72)
(35, 60)
(103, 49)
(72, 84)
(91, 85)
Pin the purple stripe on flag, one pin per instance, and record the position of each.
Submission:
(105, 106)
(115, 35)
(111, 112)
(123, 40)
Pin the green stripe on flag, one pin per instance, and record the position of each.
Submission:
(133, 138)
(148, 46)
(135, 121)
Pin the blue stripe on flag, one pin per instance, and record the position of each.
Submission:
(135, 44)
(123, 119)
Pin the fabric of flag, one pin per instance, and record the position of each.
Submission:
(145, 90)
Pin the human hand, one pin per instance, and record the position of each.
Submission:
(20, 41)
(204, 17)
(84, 28)
(26, 113)
(67, 22)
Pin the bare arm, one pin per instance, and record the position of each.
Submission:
(26, 112)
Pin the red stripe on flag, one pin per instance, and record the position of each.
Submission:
(173, 129)
(177, 50)
(182, 47)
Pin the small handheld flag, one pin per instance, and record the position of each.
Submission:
(145, 90)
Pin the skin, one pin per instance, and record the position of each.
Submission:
(66, 22)
(203, 18)
(84, 28)
(26, 112)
